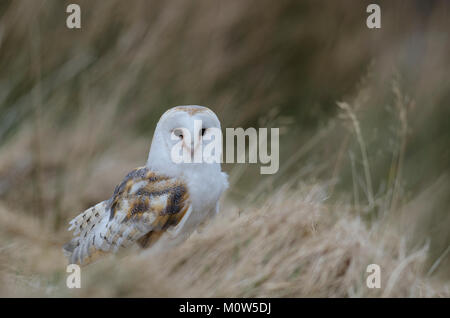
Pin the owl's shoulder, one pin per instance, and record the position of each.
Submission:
(143, 189)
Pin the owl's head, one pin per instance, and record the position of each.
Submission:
(183, 131)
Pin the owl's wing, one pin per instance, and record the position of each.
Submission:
(142, 208)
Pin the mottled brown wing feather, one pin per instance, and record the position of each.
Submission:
(144, 205)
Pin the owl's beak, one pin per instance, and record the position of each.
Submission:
(192, 148)
(189, 149)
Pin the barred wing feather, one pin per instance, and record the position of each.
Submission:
(142, 208)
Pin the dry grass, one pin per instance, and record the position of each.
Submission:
(365, 184)
(294, 245)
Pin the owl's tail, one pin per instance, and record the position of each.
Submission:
(78, 250)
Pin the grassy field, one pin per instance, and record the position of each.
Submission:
(364, 158)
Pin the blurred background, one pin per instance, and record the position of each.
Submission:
(364, 146)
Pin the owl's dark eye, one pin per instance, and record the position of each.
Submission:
(178, 132)
(203, 131)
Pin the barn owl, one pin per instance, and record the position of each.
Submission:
(161, 198)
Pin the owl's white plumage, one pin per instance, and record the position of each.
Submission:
(162, 198)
